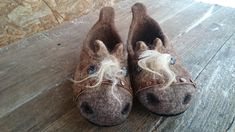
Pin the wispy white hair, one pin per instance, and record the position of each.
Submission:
(154, 62)
(109, 69)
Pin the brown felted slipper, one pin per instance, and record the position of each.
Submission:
(101, 82)
(158, 78)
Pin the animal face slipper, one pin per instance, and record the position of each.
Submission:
(158, 78)
(101, 83)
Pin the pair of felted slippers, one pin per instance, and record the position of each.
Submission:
(102, 87)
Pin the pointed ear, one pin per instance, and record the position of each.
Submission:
(118, 51)
(100, 48)
(158, 44)
(141, 46)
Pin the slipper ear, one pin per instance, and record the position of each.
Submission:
(158, 44)
(141, 46)
(100, 49)
(118, 51)
(138, 10)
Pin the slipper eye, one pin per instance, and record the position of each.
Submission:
(172, 61)
(91, 69)
(124, 71)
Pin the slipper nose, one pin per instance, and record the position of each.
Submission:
(103, 108)
(87, 109)
(170, 101)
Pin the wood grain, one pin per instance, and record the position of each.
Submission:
(31, 69)
(35, 95)
(39, 63)
(208, 53)
(37, 113)
(213, 109)
(126, 126)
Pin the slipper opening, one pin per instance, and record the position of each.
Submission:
(147, 32)
(107, 35)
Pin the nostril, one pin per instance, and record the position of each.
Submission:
(187, 98)
(85, 107)
(126, 109)
(152, 99)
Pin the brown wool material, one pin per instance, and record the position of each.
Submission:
(148, 87)
(110, 102)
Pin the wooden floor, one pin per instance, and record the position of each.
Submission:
(36, 96)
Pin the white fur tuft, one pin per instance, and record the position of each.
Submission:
(154, 62)
(109, 69)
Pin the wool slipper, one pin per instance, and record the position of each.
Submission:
(158, 78)
(101, 82)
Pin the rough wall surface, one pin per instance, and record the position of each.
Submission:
(22, 18)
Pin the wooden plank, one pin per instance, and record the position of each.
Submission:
(37, 64)
(27, 71)
(162, 10)
(44, 109)
(214, 107)
(36, 94)
(188, 19)
(212, 33)
(70, 122)
(69, 42)
(51, 59)
(206, 52)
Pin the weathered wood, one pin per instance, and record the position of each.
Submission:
(214, 107)
(44, 109)
(163, 10)
(145, 117)
(42, 62)
(72, 121)
(34, 92)
(209, 54)
(27, 71)
(187, 19)
(32, 75)
(200, 44)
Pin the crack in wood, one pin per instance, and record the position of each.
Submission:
(176, 13)
(230, 124)
(214, 55)
(158, 123)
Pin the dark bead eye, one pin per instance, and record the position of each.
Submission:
(172, 61)
(124, 71)
(91, 69)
